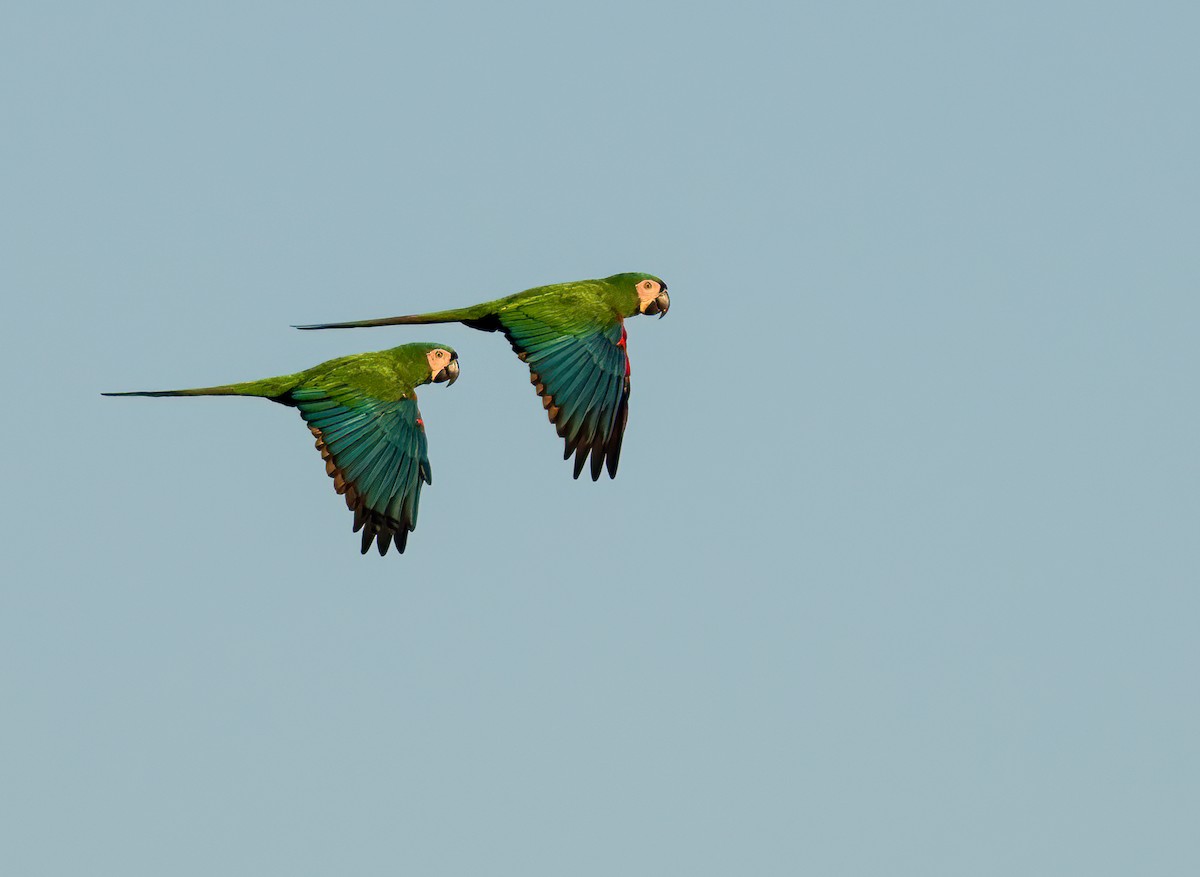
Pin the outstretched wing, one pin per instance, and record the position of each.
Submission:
(376, 453)
(583, 379)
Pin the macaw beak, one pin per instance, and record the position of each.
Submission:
(449, 373)
(660, 305)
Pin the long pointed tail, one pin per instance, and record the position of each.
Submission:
(470, 316)
(199, 391)
(268, 389)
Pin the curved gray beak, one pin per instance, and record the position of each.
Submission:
(448, 374)
(660, 305)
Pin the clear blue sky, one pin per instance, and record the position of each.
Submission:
(899, 575)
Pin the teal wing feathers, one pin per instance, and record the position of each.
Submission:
(376, 453)
(583, 379)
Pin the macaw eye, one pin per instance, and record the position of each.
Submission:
(439, 354)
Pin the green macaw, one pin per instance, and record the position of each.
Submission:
(572, 337)
(362, 410)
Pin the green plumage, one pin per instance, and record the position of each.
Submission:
(572, 337)
(571, 308)
(362, 411)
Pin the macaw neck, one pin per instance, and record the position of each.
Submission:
(625, 301)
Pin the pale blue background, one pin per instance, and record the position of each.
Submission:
(899, 576)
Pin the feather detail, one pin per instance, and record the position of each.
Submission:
(583, 382)
(375, 452)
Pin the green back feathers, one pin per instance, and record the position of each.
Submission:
(580, 306)
(386, 375)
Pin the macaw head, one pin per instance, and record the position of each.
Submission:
(443, 363)
(651, 293)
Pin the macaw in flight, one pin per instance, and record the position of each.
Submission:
(362, 410)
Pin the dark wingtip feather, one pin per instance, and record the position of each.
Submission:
(597, 461)
(613, 450)
(612, 447)
(383, 541)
